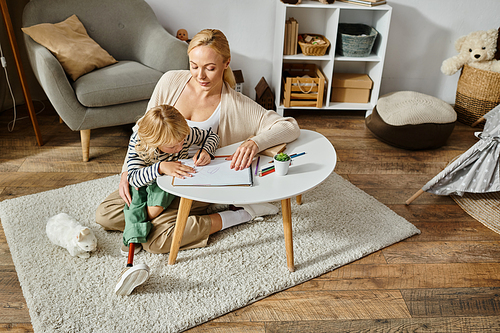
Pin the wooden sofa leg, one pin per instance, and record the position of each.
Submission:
(85, 137)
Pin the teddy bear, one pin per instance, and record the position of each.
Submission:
(476, 49)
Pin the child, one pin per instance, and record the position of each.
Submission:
(163, 137)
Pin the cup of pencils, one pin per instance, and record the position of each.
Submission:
(281, 164)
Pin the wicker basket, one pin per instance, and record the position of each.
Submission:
(314, 49)
(478, 91)
(355, 40)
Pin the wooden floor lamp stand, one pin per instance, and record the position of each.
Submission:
(20, 71)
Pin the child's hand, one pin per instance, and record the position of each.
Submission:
(204, 158)
(176, 169)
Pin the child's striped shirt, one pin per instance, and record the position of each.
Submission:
(141, 173)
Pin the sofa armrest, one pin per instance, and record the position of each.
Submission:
(52, 78)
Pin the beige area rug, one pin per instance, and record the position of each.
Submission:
(484, 207)
(337, 224)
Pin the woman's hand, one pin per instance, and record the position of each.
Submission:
(124, 189)
(176, 169)
(204, 158)
(243, 156)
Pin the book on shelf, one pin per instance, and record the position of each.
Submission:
(287, 34)
(291, 36)
(369, 3)
(295, 38)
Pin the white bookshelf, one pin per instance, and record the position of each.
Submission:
(317, 18)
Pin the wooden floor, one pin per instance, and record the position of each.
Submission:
(445, 280)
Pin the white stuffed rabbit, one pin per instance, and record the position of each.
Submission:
(64, 230)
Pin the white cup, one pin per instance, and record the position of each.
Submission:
(281, 167)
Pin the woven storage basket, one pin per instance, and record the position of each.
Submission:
(355, 40)
(314, 49)
(478, 91)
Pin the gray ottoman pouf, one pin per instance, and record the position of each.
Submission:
(412, 120)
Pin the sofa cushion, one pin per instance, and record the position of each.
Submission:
(123, 82)
(69, 42)
(412, 120)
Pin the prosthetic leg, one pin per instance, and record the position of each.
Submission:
(131, 276)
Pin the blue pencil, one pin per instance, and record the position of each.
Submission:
(292, 156)
(296, 155)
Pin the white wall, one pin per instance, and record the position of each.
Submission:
(422, 35)
(248, 25)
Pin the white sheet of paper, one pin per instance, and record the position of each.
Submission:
(217, 173)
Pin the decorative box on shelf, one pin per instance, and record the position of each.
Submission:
(351, 88)
(303, 85)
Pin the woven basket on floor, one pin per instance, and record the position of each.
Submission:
(478, 91)
(484, 207)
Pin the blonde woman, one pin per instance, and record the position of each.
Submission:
(204, 95)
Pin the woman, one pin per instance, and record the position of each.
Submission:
(204, 95)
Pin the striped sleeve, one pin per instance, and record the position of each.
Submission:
(197, 136)
(139, 172)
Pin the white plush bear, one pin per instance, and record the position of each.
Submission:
(476, 49)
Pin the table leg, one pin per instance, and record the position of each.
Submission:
(299, 199)
(286, 210)
(180, 225)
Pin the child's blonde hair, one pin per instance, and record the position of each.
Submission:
(161, 125)
(218, 42)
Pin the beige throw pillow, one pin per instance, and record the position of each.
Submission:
(72, 46)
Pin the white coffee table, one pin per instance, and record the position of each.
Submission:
(306, 172)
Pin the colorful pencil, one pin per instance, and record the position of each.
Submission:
(291, 156)
(266, 173)
(257, 166)
(296, 155)
(267, 168)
